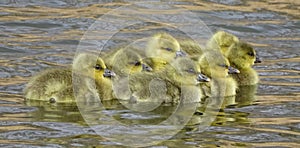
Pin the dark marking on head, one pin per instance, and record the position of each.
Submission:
(251, 54)
(52, 100)
(169, 49)
(98, 67)
(137, 63)
(191, 70)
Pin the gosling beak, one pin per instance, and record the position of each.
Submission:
(257, 59)
(232, 70)
(180, 54)
(109, 73)
(146, 68)
(202, 78)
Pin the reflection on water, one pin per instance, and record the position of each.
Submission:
(39, 35)
(246, 95)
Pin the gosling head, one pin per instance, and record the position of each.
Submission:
(242, 55)
(215, 65)
(222, 40)
(188, 72)
(92, 66)
(164, 46)
(127, 61)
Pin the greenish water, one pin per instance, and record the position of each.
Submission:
(40, 35)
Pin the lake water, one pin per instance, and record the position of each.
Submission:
(40, 35)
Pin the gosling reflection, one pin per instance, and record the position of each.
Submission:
(49, 112)
(215, 112)
(246, 95)
(212, 109)
(110, 112)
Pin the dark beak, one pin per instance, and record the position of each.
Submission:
(232, 70)
(146, 68)
(257, 59)
(202, 78)
(180, 54)
(109, 73)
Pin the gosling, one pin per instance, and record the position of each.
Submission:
(55, 85)
(242, 56)
(217, 67)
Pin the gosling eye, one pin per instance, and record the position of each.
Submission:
(169, 49)
(251, 54)
(137, 63)
(223, 65)
(191, 70)
(98, 67)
